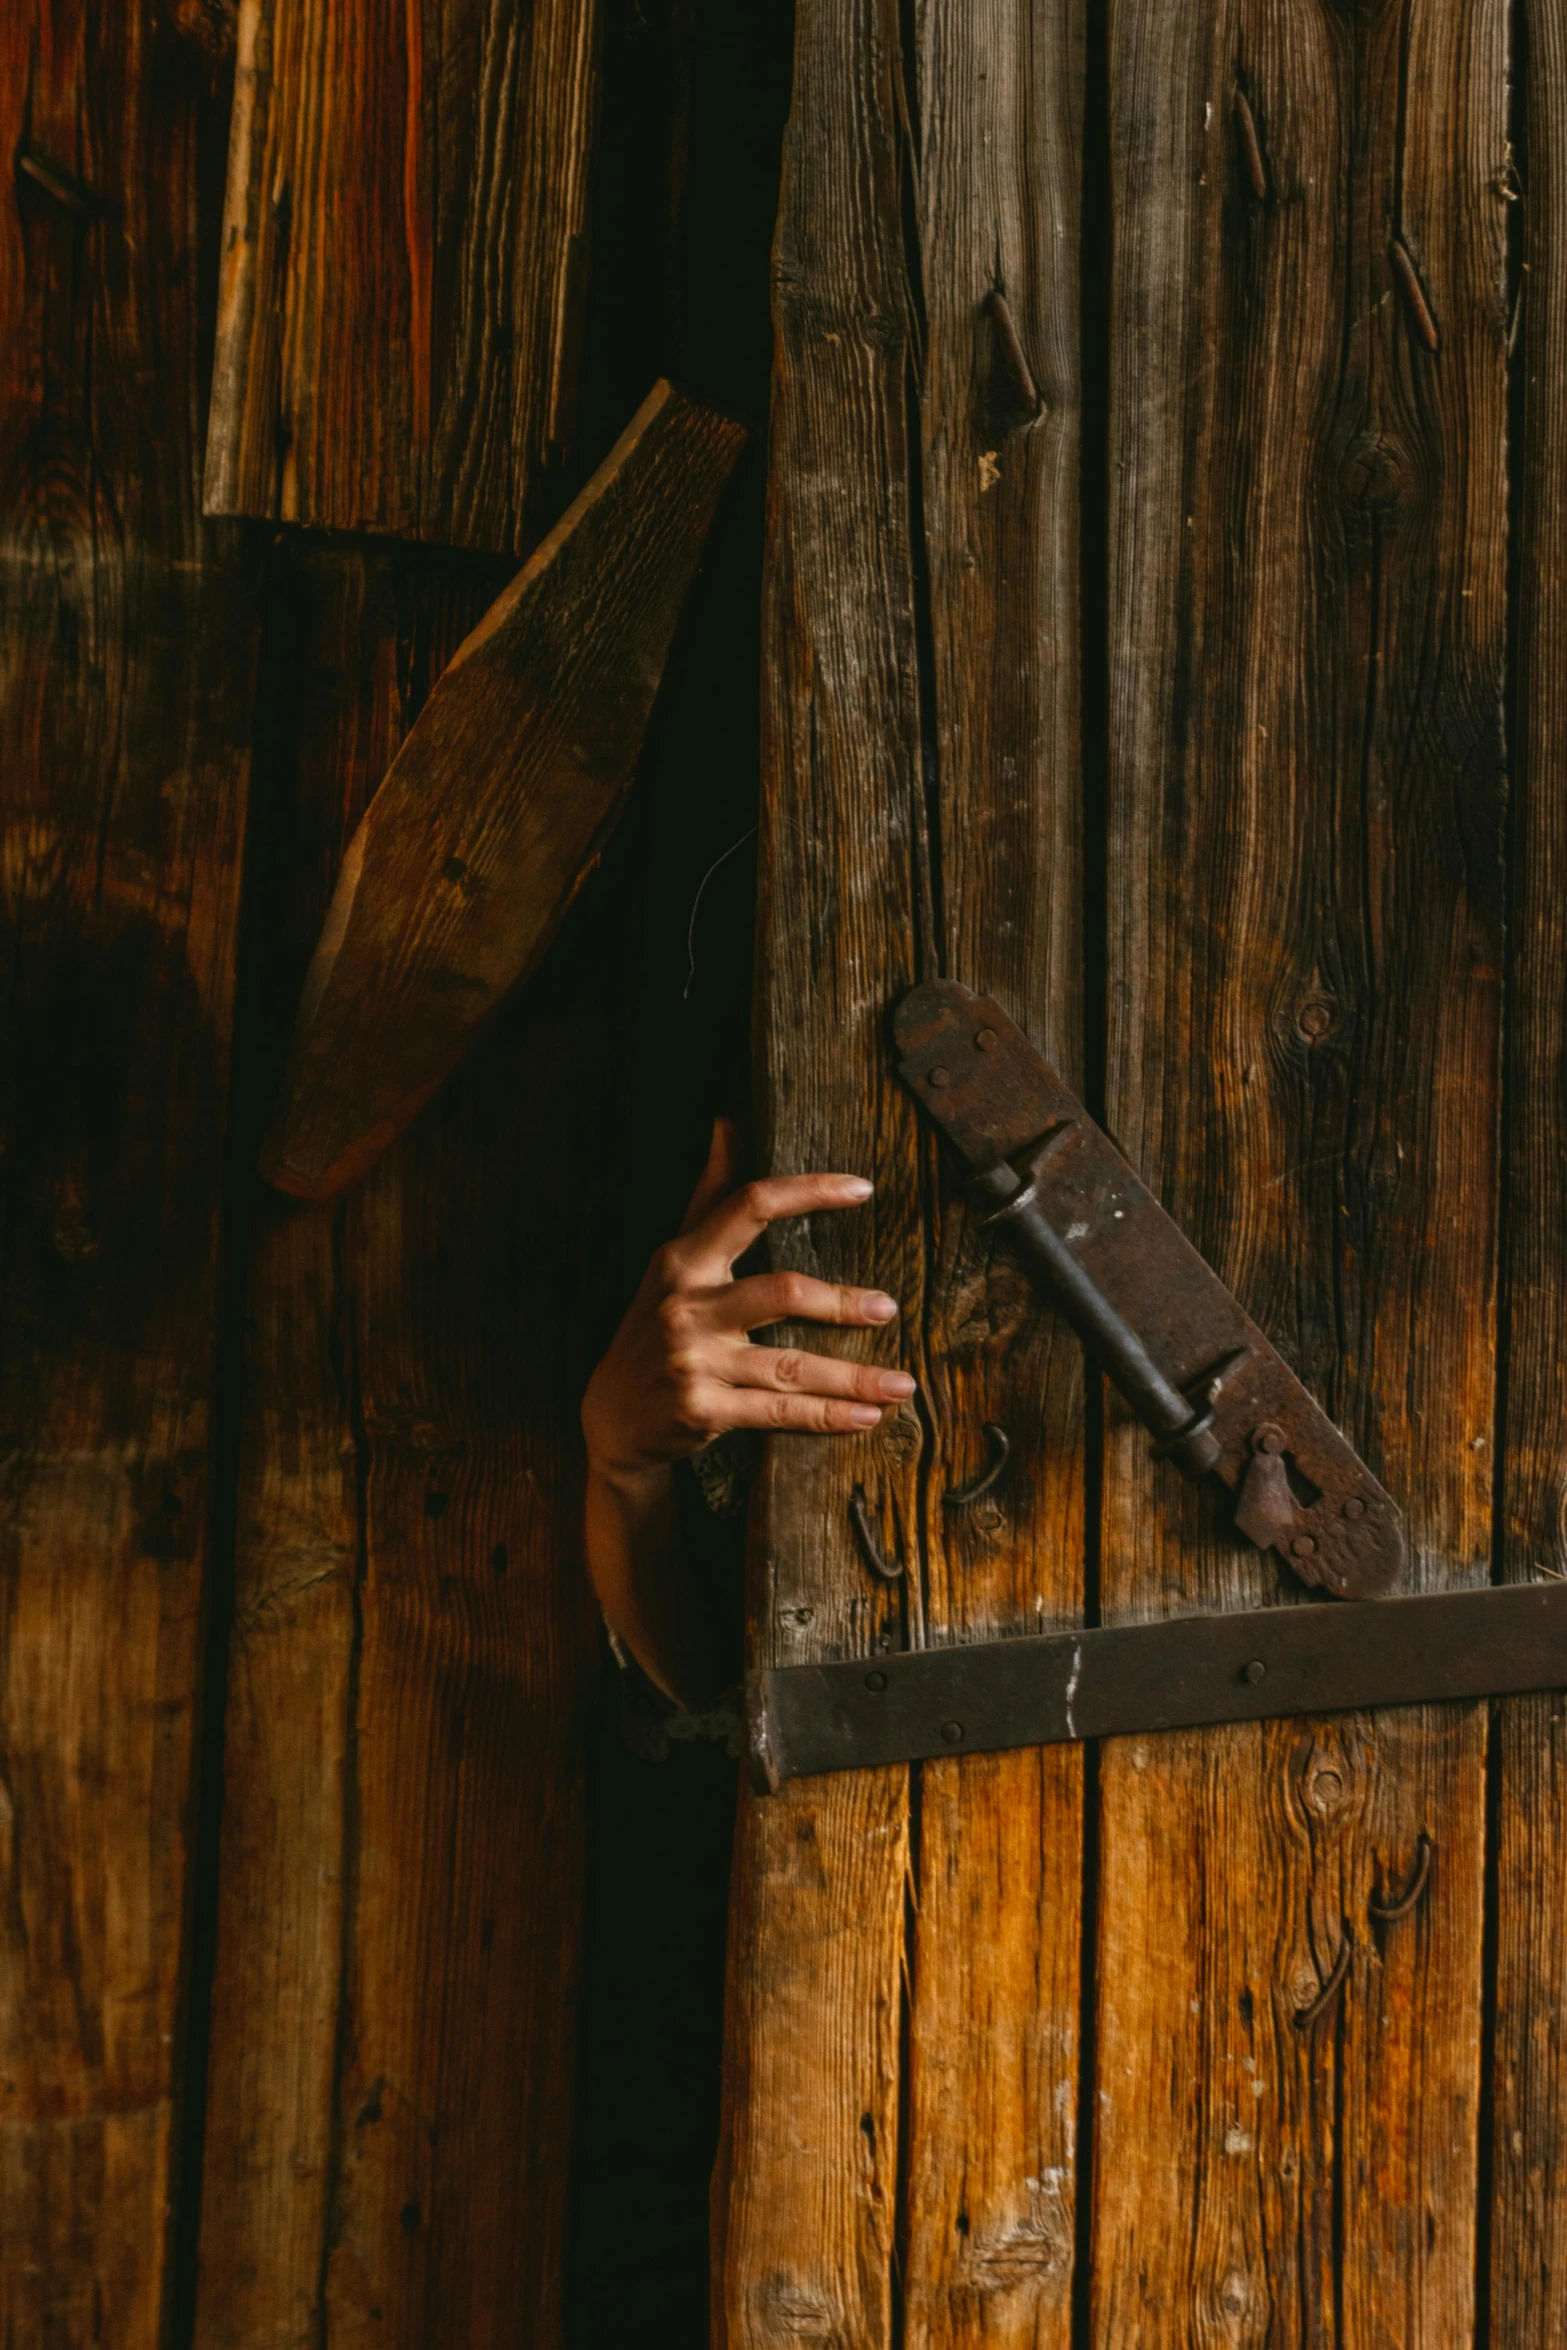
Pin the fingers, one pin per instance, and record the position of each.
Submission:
(718, 1176)
(787, 1371)
(796, 1297)
(729, 1230)
(818, 1415)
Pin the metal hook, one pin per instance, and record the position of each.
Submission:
(1305, 2017)
(890, 1570)
(1386, 1911)
(1000, 1452)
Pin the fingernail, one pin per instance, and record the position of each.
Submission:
(896, 1383)
(865, 1415)
(878, 1306)
(857, 1187)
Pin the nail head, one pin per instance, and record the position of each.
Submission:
(940, 1077)
(952, 1732)
(1254, 1671)
(876, 1681)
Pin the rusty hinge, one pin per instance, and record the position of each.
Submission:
(1193, 1366)
(1202, 1376)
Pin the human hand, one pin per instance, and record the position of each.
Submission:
(681, 1369)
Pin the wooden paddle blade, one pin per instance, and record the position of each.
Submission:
(498, 805)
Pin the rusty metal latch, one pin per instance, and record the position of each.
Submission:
(1194, 1367)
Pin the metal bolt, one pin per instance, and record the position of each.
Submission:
(1303, 1546)
(1268, 1438)
(952, 1732)
(985, 1039)
(876, 1681)
(940, 1077)
(1354, 1507)
(1253, 1672)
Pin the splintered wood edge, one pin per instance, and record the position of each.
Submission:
(316, 1186)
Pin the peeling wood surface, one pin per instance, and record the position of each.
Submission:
(404, 259)
(391, 2040)
(921, 624)
(126, 638)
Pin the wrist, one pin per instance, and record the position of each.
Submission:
(627, 1479)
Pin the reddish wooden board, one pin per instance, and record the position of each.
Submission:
(404, 264)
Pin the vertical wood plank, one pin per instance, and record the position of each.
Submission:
(404, 255)
(333, 704)
(1307, 586)
(993, 2043)
(806, 2184)
(921, 810)
(126, 641)
(1528, 2266)
(392, 2040)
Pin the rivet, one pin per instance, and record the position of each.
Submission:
(1354, 1507)
(952, 1732)
(985, 1039)
(876, 1681)
(1253, 1672)
(1268, 1438)
(1303, 1546)
(940, 1077)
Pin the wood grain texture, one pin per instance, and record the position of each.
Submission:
(404, 249)
(391, 2036)
(1528, 2240)
(806, 2182)
(920, 811)
(498, 805)
(1307, 517)
(990, 2196)
(126, 639)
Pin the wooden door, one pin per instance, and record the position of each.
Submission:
(1152, 654)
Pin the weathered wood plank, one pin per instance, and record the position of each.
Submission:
(391, 2059)
(1528, 2266)
(333, 693)
(993, 2043)
(863, 754)
(404, 250)
(1307, 587)
(806, 2183)
(126, 641)
(496, 810)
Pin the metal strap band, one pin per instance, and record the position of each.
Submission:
(1127, 1680)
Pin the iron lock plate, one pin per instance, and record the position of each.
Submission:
(1179, 1674)
(1180, 1348)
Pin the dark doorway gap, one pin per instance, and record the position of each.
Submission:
(695, 95)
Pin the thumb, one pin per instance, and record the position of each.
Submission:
(719, 1175)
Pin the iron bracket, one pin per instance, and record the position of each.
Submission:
(1127, 1679)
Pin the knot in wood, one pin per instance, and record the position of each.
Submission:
(1374, 477)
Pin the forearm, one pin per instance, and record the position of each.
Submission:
(647, 1587)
